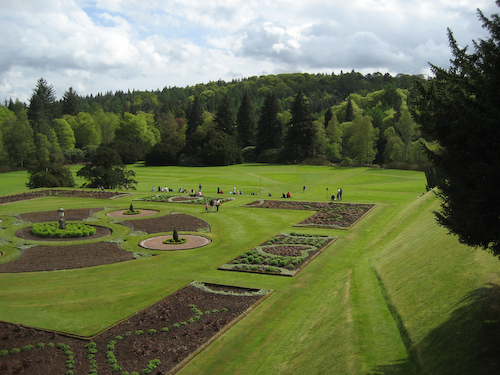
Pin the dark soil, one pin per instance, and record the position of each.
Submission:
(133, 343)
(99, 194)
(50, 258)
(69, 215)
(167, 223)
(328, 215)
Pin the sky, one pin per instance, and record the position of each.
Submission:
(109, 45)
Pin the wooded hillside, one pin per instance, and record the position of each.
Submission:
(288, 118)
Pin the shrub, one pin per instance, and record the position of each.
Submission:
(152, 331)
(41, 345)
(73, 230)
(15, 351)
(3, 352)
(139, 332)
(27, 347)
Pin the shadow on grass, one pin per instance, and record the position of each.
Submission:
(468, 342)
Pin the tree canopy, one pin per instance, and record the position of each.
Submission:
(459, 109)
(177, 125)
(107, 170)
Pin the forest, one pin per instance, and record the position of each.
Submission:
(345, 119)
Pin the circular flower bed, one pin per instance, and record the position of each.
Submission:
(157, 243)
(52, 230)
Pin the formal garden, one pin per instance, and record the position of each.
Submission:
(141, 285)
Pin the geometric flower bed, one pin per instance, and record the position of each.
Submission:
(328, 215)
(285, 254)
(162, 198)
(158, 339)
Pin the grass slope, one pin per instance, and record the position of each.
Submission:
(394, 284)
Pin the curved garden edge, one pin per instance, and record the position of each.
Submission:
(193, 241)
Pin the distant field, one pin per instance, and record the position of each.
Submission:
(382, 299)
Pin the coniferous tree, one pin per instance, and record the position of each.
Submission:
(194, 118)
(43, 107)
(70, 103)
(269, 128)
(349, 111)
(245, 121)
(300, 138)
(224, 118)
(459, 108)
(328, 116)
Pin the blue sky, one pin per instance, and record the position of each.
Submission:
(108, 45)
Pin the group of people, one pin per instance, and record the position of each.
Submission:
(214, 204)
(287, 195)
(234, 191)
(339, 195)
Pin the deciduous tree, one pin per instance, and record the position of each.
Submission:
(107, 170)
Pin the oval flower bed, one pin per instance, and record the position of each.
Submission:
(284, 254)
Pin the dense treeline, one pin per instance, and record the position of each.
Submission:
(346, 118)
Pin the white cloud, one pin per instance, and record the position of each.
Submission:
(106, 45)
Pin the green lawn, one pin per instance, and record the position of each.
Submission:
(380, 300)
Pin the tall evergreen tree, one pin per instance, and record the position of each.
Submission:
(328, 116)
(459, 108)
(70, 103)
(224, 118)
(300, 138)
(245, 121)
(349, 111)
(269, 128)
(194, 118)
(43, 107)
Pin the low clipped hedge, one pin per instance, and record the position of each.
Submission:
(51, 230)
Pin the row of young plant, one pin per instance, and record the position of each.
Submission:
(66, 349)
(299, 239)
(72, 230)
(153, 364)
(110, 348)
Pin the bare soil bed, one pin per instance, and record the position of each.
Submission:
(69, 215)
(181, 222)
(140, 213)
(99, 194)
(328, 215)
(161, 338)
(50, 258)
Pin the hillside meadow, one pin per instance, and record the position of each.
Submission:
(393, 295)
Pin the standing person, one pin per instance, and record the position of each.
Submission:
(234, 189)
(338, 194)
(341, 193)
(304, 188)
(217, 203)
(206, 207)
